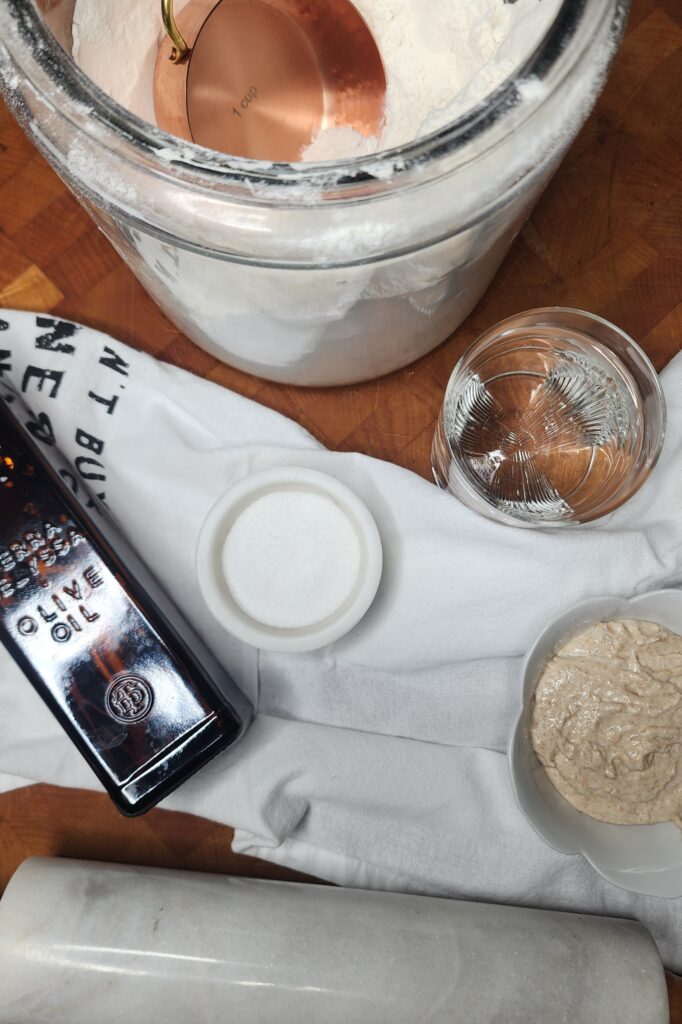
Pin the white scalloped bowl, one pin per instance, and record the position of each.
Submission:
(645, 859)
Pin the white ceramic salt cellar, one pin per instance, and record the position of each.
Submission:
(289, 560)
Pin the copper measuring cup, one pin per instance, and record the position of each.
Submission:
(261, 78)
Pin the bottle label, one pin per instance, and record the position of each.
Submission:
(69, 616)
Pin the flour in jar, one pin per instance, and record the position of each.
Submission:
(607, 722)
(441, 59)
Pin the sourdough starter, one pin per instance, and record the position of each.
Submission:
(607, 722)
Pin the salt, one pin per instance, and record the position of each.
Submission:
(292, 559)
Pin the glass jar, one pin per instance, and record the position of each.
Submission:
(313, 274)
(553, 417)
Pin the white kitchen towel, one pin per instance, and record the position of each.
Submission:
(378, 761)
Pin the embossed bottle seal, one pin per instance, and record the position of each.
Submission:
(129, 698)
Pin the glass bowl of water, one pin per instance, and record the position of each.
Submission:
(552, 417)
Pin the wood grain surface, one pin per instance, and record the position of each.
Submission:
(606, 236)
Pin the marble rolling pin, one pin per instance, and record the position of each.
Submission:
(85, 943)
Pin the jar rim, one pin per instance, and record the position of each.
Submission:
(326, 176)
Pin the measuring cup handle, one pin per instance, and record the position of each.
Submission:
(180, 49)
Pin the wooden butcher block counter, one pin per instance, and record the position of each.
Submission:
(606, 236)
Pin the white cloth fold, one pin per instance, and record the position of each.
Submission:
(378, 761)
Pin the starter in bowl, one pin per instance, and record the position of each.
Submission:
(607, 722)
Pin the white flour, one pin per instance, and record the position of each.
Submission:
(441, 58)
